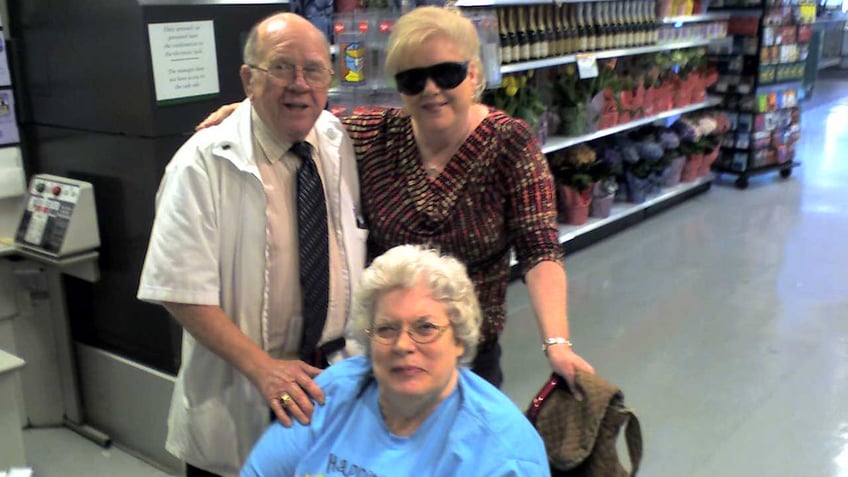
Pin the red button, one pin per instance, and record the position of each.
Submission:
(56, 190)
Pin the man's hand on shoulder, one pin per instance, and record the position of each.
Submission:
(217, 116)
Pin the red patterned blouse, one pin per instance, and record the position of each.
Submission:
(495, 194)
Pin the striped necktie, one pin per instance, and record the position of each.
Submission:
(314, 249)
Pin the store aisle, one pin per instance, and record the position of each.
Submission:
(723, 319)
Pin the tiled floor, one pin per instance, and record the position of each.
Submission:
(724, 320)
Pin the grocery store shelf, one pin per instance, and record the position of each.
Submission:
(829, 62)
(602, 54)
(705, 17)
(623, 215)
(626, 214)
(556, 143)
(752, 12)
(510, 3)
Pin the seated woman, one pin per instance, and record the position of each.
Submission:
(410, 406)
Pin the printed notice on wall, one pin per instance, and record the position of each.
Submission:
(5, 77)
(8, 123)
(185, 66)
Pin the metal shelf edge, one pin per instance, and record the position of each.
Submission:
(704, 17)
(509, 3)
(603, 54)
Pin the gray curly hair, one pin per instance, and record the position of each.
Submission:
(407, 266)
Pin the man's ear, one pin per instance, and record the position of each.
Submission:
(246, 74)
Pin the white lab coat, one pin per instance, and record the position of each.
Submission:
(209, 246)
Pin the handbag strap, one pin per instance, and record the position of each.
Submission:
(547, 389)
(633, 438)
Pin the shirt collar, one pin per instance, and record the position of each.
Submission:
(274, 147)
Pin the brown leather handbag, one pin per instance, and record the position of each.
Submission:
(580, 436)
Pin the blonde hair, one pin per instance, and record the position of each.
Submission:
(406, 266)
(413, 29)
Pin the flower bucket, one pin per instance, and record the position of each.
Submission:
(542, 127)
(649, 102)
(601, 206)
(655, 183)
(609, 102)
(663, 98)
(707, 161)
(681, 94)
(637, 188)
(671, 175)
(637, 106)
(691, 168)
(574, 205)
(709, 78)
(608, 119)
(573, 120)
(697, 90)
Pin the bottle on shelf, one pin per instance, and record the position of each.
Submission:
(503, 31)
(602, 11)
(546, 24)
(578, 20)
(570, 44)
(532, 33)
(559, 28)
(591, 30)
(523, 37)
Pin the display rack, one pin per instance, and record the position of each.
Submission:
(760, 80)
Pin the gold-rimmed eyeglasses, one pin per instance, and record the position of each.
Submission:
(286, 73)
(421, 333)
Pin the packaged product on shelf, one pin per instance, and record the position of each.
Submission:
(760, 140)
(739, 162)
(351, 35)
(805, 32)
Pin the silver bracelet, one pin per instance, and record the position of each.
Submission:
(555, 340)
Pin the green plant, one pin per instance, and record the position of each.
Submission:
(578, 167)
(569, 90)
(518, 98)
(688, 60)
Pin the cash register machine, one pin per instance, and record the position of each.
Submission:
(57, 234)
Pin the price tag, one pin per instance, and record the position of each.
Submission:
(587, 66)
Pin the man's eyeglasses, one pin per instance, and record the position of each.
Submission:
(446, 76)
(317, 76)
(421, 333)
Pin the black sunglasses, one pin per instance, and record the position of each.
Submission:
(446, 76)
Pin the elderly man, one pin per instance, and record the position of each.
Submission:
(254, 250)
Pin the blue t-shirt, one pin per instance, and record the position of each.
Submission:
(476, 431)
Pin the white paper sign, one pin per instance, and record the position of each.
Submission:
(5, 77)
(8, 123)
(587, 66)
(185, 63)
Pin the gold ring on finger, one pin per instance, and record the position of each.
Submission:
(285, 399)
